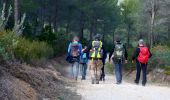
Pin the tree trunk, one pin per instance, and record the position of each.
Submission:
(128, 36)
(152, 23)
(67, 28)
(168, 31)
(81, 34)
(16, 13)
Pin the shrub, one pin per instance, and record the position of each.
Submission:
(161, 57)
(58, 40)
(29, 51)
(8, 42)
(13, 47)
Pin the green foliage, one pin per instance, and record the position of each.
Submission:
(58, 40)
(161, 57)
(28, 51)
(12, 47)
(109, 68)
(8, 42)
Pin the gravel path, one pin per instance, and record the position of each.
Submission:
(108, 90)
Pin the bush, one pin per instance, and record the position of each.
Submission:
(161, 57)
(13, 47)
(58, 40)
(8, 42)
(29, 51)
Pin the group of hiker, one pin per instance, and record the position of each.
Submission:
(94, 57)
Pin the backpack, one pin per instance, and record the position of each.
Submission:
(96, 51)
(83, 58)
(118, 51)
(75, 52)
(143, 55)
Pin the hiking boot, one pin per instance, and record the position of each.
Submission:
(97, 82)
(92, 81)
(83, 78)
(118, 83)
(136, 82)
(76, 78)
(143, 84)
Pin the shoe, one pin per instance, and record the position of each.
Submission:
(143, 84)
(136, 82)
(83, 78)
(76, 78)
(118, 83)
(97, 82)
(92, 81)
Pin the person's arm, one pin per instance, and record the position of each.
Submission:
(136, 54)
(88, 48)
(80, 47)
(69, 48)
(126, 54)
(150, 54)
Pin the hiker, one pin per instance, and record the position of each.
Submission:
(141, 55)
(83, 62)
(119, 56)
(102, 75)
(75, 51)
(95, 49)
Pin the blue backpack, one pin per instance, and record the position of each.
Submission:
(83, 58)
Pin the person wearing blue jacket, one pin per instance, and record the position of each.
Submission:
(75, 52)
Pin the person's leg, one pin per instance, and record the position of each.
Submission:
(72, 69)
(81, 69)
(144, 72)
(85, 70)
(102, 76)
(117, 72)
(98, 70)
(92, 70)
(138, 68)
(76, 69)
(120, 72)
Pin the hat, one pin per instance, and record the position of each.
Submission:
(75, 38)
(141, 42)
(97, 37)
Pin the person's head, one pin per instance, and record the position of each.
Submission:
(85, 47)
(75, 39)
(117, 38)
(97, 37)
(141, 42)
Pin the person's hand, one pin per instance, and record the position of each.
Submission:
(126, 61)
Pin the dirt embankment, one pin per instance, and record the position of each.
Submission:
(23, 82)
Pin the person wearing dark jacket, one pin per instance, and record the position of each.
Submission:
(118, 55)
(102, 76)
(95, 49)
(141, 55)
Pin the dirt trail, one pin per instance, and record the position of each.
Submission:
(125, 91)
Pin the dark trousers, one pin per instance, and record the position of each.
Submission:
(140, 67)
(83, 69)
(102, 76)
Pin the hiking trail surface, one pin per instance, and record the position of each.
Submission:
(108, 90)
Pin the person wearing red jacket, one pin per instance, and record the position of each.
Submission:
(141, 55)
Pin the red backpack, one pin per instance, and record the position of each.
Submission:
(143, 55)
